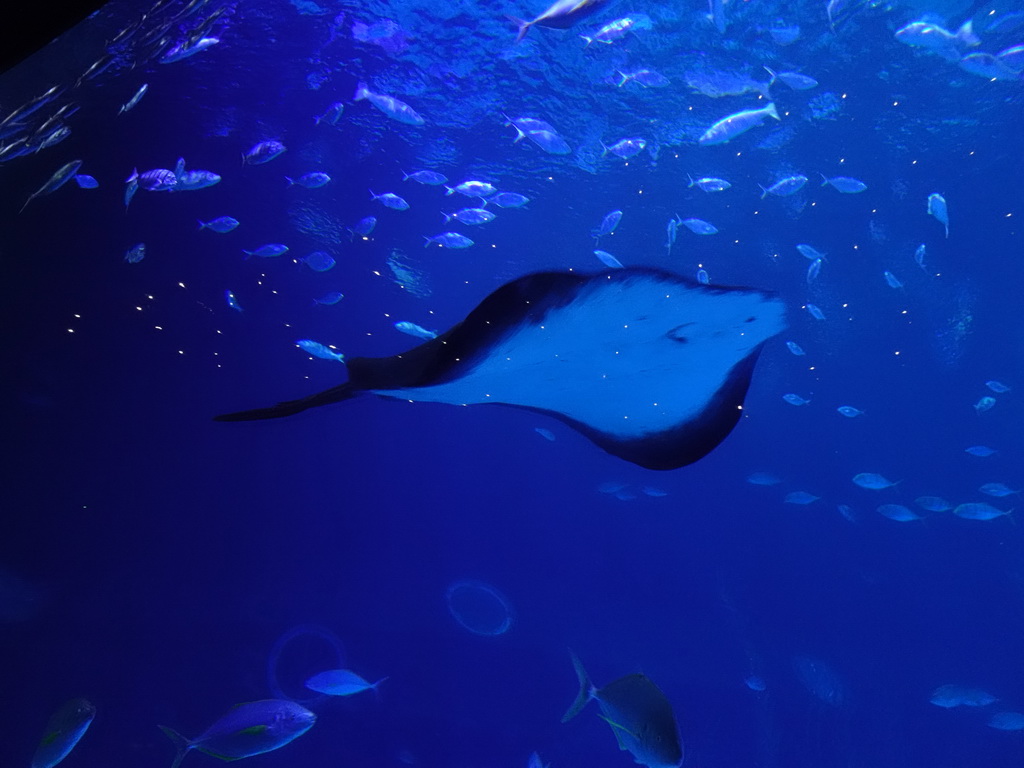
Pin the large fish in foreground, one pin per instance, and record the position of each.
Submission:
(650, 366)
(639, 714)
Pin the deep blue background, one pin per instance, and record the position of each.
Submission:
(150, 558)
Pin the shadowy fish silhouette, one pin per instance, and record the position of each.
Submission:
(246, 730)
(639, 714)
(561, 14)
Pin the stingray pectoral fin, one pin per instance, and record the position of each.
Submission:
(676, 444)
(290, 407)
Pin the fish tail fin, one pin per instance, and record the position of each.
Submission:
(372, 195)
(448, 191)
(290, 408)
(586, 689)
(824, 179)
(773, 111)
(523, 26)
(772, 73)
(405, 176)
(202, 224)
(290, 180)
(180, 742)
(429, 240)
(624, 80)
(362, 91)
(764, 192)
(447, 218)
(604, 149)
(33, 196)
(588, 39)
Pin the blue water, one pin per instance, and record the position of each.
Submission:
(152, 559)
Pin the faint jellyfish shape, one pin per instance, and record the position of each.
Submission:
(479, 608)
(311, 649)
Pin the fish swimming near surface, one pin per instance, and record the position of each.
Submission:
(561, 14)
(650, 366)
(640, 715)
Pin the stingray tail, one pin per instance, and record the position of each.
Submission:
(291, 407)
(586, 690)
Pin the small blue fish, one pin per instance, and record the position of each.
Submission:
(192, 180)
(547, 434)
(472, 188)
(247, 729)
(331, 115)
(470, 216)
(937, 208)
(998, 490)
(795, 399)
(157, 180)
(411, 329)
(785, 187)
(608, 224)
(849, 411)
(188, 48)
(221, 225)
(232, 301)
(671, 233)
(432, 178)
(891, 280)
(933, 503)
(136, 253)
(60, 177)
(984, 404)
(330, 299)
(873, 481)
(809, 252)
(131, 187)
(709, 184)
(800, 497)
(997, 386)
(979, 510)
(316, 349)
(648, 78)
(509, 200)
(699, 226)
(134, 100)
(794, 80)
(86, 182)
(390, 200)
(814, 312)
(318, 261)
(981, 451)
(795, 348)
(898, 512)
(365, 226)
(340, 682)
(755, 683)
(702, 277)
(813, 270)
(63, 731)
(449, 240)
(395, 109)
(267, 251)
(313, 180)
(728, 128)
(763, 478)
(608, 260)
(919, 255)
(844, 184)
(625, 148)
(263, 152)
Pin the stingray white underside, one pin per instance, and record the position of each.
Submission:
(628, 359)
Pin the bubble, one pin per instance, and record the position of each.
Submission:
(479, 607)
(311, 649)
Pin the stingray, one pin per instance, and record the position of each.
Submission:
(650, 366)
